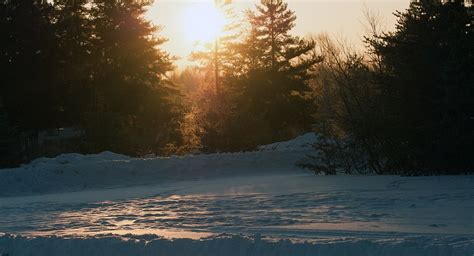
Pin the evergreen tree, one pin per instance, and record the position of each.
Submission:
(73, 62)
(28, 92)
(275, 68)
(269, 44)
(95, 64)
(134, 110)
(427, 87)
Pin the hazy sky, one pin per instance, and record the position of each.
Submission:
(341, 18)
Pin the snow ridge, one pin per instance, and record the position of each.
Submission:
(73, 172)
(235, 245)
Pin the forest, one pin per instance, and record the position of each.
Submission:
(402, 105)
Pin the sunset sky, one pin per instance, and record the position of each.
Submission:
(343, 19)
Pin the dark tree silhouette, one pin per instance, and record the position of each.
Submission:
(96, 65)
(28, 91)
(407, 107)
(73, 61)
(273, 74)
(133, 98)
(427, 88)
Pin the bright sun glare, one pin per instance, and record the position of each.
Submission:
(204, 22)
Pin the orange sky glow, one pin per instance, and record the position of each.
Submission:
(186, 23)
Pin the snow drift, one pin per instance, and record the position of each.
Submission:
(230, 246)
(72, 172)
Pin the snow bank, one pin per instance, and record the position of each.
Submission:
(303, 142)
(230, 246)
(72, 172)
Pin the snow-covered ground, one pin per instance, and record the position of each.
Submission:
(74, 172)
(252, 203)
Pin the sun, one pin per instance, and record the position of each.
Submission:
(203, 22)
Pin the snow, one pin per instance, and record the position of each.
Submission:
(300, 143)
(248, 203)
(74, 172)
(235, 245)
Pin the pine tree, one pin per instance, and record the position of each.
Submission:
(28, 92)
(271, 46)
(134, 111)
(275, 68)
(427, 88)
(73, 28)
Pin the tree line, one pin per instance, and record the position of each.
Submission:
(405, 105)
(93, 64)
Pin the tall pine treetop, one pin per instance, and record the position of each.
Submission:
(272, 46)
